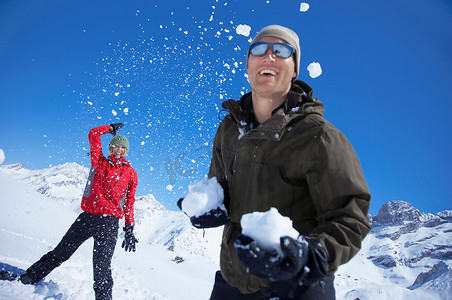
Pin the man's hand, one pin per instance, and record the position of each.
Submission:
(115, 127)
(271, 265)
(129, 239)
(213, 218)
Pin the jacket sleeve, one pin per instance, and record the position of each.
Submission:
(95, 143)
(340, 195)
(130, 199)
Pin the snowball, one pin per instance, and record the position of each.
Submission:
(203, 196)
(2, 156)
(304, 7)
(113, 112)
(314, 69)
(266, 228)
(169, 187)
(243, 30)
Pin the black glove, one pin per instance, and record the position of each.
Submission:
(115, 127)
(129, 239)
(288, 267)
(213, 218)
(271, 265)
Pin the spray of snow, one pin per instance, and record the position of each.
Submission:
(203, 196)
(315, 70)
(266, 228)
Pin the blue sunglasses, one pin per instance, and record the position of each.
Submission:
(279, 49)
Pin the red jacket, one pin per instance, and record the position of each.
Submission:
(112, 183)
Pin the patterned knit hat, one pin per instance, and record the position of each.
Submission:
(120, 140)
(283, 33)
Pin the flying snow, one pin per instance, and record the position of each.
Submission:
(266, 228)
(243, 30)
(304, 7)
(315, 70)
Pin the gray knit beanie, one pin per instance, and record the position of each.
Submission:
(283, 33)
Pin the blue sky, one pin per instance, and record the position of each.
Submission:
(164, 67)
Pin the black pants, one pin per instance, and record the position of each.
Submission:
(321, 290)
(104, 230)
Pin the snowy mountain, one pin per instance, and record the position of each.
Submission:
(407, 255)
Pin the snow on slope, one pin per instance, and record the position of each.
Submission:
(32, 224)
(65, 182)
(407, 255)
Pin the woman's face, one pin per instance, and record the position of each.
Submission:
(118, 150)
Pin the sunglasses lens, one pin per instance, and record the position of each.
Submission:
(279, 49)
(282, 50)
(259, 49)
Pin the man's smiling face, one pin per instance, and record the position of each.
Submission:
(269, 74)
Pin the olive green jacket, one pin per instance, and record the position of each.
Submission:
(297, 162)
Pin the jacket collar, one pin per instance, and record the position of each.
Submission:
(114, 161)
(299, 102)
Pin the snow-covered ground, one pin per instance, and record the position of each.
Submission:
(31, 224)
(176, 261)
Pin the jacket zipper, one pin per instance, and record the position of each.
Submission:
(117, 179)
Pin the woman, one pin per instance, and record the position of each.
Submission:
(109, 195)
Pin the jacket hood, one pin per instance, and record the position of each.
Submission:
(299, 103)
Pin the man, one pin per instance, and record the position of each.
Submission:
(274, 149)
(109, 195)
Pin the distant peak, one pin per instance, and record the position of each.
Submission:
(17, 166)
(396, 213)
